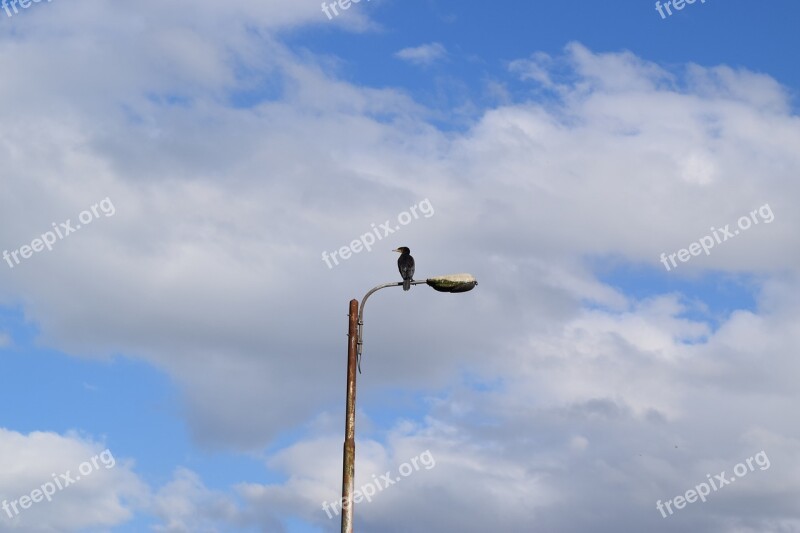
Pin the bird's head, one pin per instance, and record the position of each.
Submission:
(403, 250)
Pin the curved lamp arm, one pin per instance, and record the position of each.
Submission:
(449, 283)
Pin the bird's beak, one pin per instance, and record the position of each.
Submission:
(398, 250)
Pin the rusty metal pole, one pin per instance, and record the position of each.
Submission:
(349, 459)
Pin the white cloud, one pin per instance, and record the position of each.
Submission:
(91, 487)
(423, 55)
(185, 505)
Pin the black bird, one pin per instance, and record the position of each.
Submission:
(405, 263)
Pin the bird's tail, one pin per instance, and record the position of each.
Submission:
(406, 284)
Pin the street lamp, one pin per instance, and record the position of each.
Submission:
(355, 340)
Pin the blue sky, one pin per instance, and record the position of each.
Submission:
(565, 145)
(485, 38)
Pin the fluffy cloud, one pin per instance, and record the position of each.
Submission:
(86, 485)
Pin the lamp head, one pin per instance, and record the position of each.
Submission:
(453, 283)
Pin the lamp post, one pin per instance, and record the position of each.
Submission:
(355, 341)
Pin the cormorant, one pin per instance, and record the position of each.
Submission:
(405, 263)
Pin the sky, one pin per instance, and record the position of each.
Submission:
(191, 193)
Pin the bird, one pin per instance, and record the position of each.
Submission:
(405, 263)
